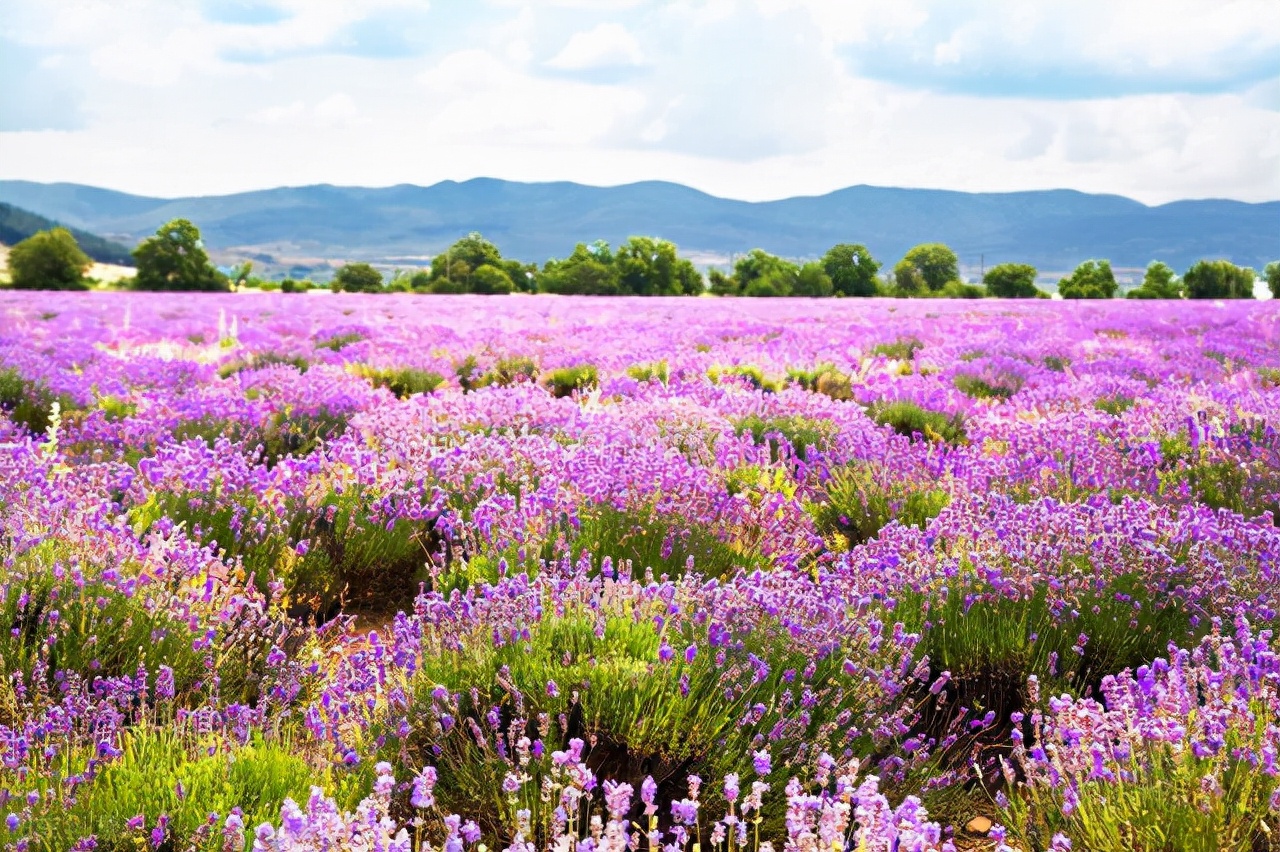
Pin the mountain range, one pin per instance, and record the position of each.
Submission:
(296, 230)
(17, 224)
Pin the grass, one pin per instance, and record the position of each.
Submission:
(803, 435)
(902, 349)
(404, 382)
(913, 421)
(860, 499)
(566, 381)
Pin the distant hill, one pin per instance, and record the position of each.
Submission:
(17, 224)
(1052, 229)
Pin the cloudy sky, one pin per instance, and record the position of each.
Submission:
(749, 99)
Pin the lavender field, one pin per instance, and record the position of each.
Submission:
(379, 573)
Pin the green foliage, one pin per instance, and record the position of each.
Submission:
(753, 374)
(1011, 281)
(564, 381)
(356, 278)
(1114, 405)
(1161, 803)
(649, 267)
(758, 273)
(852, 269)
(928, 266)
(48, 260)
(1218, 279)
(859, 499)
(471, 265)
(180, 774)
(991, 641)
(803, 434)
(175, 259)
(639, 716)
(1160, 282)
(97, 629)
(404, 382)
(1271, 272)
(351, 552)
(719, 284)
(1057, 363)
(1092, 279)
(17, 225)
(812, 280)
(589, 271)
(912, 421)
(260, 360)
(902, 349)
(979, 387)
(656, 371)
(489, 280)
(663, 543)
(290, 285)
(29, 402)
(961, 290)
(338, 341)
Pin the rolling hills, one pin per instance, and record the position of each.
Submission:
(304, 227)
(17, 224)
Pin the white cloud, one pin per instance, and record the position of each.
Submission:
(605, 46)
(746, 98)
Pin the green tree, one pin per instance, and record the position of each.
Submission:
(934, 266)
(650, 267)
(720, 284)
(175, 259)
(1160, 282)
(852, 269)
(457, 262)
(812, 280)
(489, 280)
(907, 279)
(1218, 279)
(1271, 272)
(589, 271)
(357, 278)
(759, 273)
(48, 260)
(1011, 281)
(1092, 279)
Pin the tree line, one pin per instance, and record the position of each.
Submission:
(174, 258)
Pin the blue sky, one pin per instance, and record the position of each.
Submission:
(750, 99)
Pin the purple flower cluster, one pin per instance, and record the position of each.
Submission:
(490, 613)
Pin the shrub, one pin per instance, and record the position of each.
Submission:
(404, 382)
(902, 349)
(835, 384)
(30, 403)
(1095, 771)
(1218, 279)
(262, 360)
(860, 499)
(564, 381)
(910, 420)
(661, 542)
(978, 387)
(1114, 405)
(338, 341)
(48, 260)
(179, 774)
(802, 434)
(1092, 279)
(1011, 281)
(656, 371)
(753, 375)
(356, 278)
